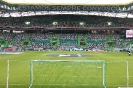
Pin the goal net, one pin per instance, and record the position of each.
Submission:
(67, 74)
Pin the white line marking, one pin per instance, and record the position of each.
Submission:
(79, 55)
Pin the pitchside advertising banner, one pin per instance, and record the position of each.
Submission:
(71, 8)
(129, 33)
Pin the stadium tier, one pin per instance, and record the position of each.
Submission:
(64, 41)
(65, 21)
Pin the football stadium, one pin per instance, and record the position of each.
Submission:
(66, 44)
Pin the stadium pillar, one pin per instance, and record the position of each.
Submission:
(11, 31)
(1, 31)
(50, 39)
(85, 39)
(78, 39)
(58, 38)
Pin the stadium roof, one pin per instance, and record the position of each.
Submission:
(110, 8)
(71, 2)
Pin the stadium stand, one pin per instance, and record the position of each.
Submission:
(64, 21)
(62, 41)
(63, 31)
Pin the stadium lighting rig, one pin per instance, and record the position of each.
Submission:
(55, 23)
(81, 23)
(27, 23)
(109, 23)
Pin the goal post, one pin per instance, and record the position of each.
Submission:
(67, 73)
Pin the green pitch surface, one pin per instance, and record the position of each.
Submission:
(19, 70)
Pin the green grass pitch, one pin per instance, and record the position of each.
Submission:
(19, 72)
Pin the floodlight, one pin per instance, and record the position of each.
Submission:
(109, 23)
(81, 23)
(55, 23)
(27, 23)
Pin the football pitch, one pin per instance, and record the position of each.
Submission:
(63, 75)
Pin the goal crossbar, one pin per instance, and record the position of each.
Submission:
(98, 61)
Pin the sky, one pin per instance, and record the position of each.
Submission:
(71, 2)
